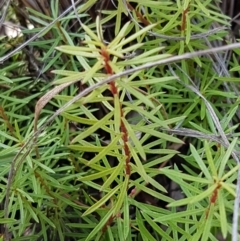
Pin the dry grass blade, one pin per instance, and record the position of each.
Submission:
(45, 99)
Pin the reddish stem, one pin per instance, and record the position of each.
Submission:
(139, 15)
(215, 194)
(5, 118)
(184, 17)
(123, 129)
(213, 198)
(108, 223)
(125, 145)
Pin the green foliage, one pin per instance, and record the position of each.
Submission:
(103, 169)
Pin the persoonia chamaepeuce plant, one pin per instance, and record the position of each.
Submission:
(105, 168)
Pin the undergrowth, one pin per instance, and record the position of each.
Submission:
(151, 154)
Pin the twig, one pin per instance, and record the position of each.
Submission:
(4, 14)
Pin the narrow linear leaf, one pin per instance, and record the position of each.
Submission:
(139, 167)
(91, 33)
(226, 158)
(100, 225)
(156, 227)
(113, 176)
(7, 220)
(137, 94)
(122, 195)
(191, 200)
(120, 229)
(97, 175)
(153, 193)
(134, 36)
(105, 151)
(175, 216)
(228, 188)
(201, 163)
(102, 201)
(143, 230)
(208, 224)
(93, 128)
(230, 173)
(210, 159)
(126, 217)
(222, 214)
(161, 135)
(176, 173)
(134, 139)
(117, 113)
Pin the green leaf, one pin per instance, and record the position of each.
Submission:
(156, 184)
(228, 188)
(137, 94)
(151, 192)
(148, 115)
(7, 220)
(134, 139)
(138, 60)
(222, 213)
(99, 225)
(226, 157)
(208, 224)
(105, 151)
(210, 159)
(93, 128)
(230, 173)
(81, 51)
(32, 213)
(25, 194)
(151, 81)
(134, 36)
(117, 114)
(176, 216)
(120, 229)
(195, 199)
(102, 201)
(97, 175)
(4, 134)
(91, 33)
(139, 167)
(119, 36)
(117, 171)
(92, 72)
(126, 217)
(122, 195)
(142, 229)
(174, 173)
(201, 163)
(156, 227)
(158, 134)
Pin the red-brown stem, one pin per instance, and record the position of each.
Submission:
(45, 185)
(114, 90)
(215, 194)
(108, 223)
(139, 15)
(125, 145)
(184, 17)
(5, 118)
(213, 198)
(123, 129)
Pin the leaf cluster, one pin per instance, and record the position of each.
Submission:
(106, 167)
